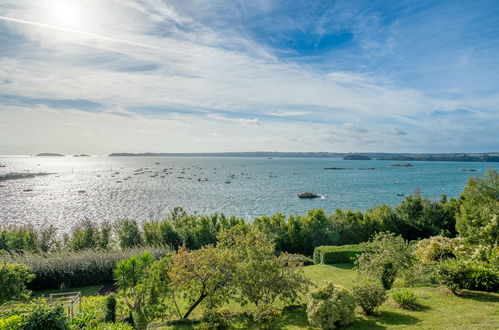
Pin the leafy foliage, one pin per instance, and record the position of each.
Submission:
(13, 281)
(330, 306)
(434, 249)
(478, 217)
(369, 296)
(261, 277)
(110, 308)
(405, 298)
(43, 317)
(201, 274)
(384, 258)
(471, 275)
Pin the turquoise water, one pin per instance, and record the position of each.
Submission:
(257, 186)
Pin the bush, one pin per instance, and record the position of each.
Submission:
(369, 296)
(434, 249)
(13, 281)
(330, 306)
(385, 258)
(90, 313)
(13, 322)
(73, 269)
(405, 298)
(337, 254)
(110, 308)
(44, 317)
(471, 275)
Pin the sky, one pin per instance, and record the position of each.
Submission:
(102, 76)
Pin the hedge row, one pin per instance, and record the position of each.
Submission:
(328, 255)
(73, 269)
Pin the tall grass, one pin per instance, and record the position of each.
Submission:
(71, 269)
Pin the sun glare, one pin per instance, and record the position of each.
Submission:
(67, 13)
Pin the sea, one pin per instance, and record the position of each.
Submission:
(148, 188)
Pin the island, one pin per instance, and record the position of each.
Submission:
(336, 168)
(308, 195)
(356, 157)
(49, 154)
(81, 155)
(402, 165)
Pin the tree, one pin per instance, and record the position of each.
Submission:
(386, 256)
(478, 219)
(261, 277)
(129, 234)
(200, 275)
(13, 280)
(131, 277)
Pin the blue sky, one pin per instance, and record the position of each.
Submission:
(100, 76)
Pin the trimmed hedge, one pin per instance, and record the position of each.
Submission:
(344, 254)
(74, 269)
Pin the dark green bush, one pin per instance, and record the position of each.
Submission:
(337, 254)
(44, 317)
(110, 308)
(471, 275)
(369, 296)
(73, 269)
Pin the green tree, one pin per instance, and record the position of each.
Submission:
(384, 258)
(13, 281)
(200, 275)
(261, 277)
(478, 219)
(131, 277)
(129, 235)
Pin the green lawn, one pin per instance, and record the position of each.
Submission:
(85, 291)
(439, 308)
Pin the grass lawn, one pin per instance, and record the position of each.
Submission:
(85, 291)
(439, 308)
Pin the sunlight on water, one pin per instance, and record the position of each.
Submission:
(145, 188)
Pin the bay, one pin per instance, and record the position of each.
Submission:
(147, 188)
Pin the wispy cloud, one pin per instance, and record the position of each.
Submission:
(220, 63)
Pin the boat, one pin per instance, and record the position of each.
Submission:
(227, 181)
(81, 191)
(400, 194)
(27, 190)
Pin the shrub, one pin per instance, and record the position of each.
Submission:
(384, 258)
(369, 296)
(73, 269)
(330, 306)
(434, 249)
(110, 308)
(44, 317)
(405, 298)
(471, 275)
(90, 313)
(13, 281)
(337, 254)
(13, 322)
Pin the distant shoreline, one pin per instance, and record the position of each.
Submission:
(451, 157)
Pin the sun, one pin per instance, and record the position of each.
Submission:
(66, 13)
